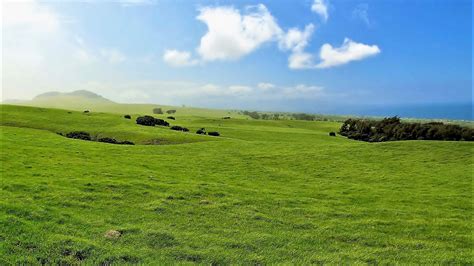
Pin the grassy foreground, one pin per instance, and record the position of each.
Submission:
(264, 192)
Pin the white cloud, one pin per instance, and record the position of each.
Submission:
(112, 55)
(349, 51)
(265, 86)
(295, 39)
(237, 89)
(232, 35)
(301, 60)
(320, 7)
(177, 58)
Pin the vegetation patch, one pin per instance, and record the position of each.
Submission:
(151, 121)
(179, 128)
(391, 129)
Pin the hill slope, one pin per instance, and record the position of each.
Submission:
(265, 192)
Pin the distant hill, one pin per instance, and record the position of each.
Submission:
(76, 95)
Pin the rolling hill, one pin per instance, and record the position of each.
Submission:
(264, 192)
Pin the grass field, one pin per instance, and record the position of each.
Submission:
(264, 192)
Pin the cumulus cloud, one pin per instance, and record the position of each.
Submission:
(301, 60)
(349, 51)
(177, 58)
(232, 34)
(295, 39)
(320, 7)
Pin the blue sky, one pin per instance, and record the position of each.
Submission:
(308, 55)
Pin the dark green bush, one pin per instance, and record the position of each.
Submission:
(79, 135)
(171, 111)
(157, 111)
(107, 140)
(127, 116)
(179, 128)
(391, 129)
(171, 117)
(151, 121)
(213, 133)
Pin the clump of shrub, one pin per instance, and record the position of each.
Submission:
(179, 128)
(86, 111)
(201, 131)
(171, 111)
(107, 140)
(332, 134)
(171, 117)
(151, 121)
(157, 111)
(127, 117)
(226, 117)
(391, 129)
(86, 136)
(213, 133)
(79, 135)
(253, 115)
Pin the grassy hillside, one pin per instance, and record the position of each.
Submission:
(264, 192)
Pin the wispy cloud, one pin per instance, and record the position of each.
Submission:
(320, 7)
(177, 58)
(361, 12)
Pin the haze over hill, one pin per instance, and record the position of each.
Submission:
(84, 99)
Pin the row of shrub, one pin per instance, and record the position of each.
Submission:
(151, 121)
(86, 136)
(159, 111)
(279, 116)
(391, 129)
(202, 131)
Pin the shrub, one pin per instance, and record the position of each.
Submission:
(146, 120)
(126, 142)
(213, 133)
(226, 117)
(151, 121)
(171, 117)
(161, 122)
(253, 115)
(171, 111)
(86, 111)
(389, 129)
(201, 131)
(157, 111)
(79, 135)
(332, 134)
(127, 116)
(179, 128)
(107, 140)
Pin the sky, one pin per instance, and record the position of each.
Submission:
(307, 55)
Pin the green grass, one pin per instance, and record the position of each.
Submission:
(265, 192)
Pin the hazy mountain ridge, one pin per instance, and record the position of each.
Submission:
(78, 93)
